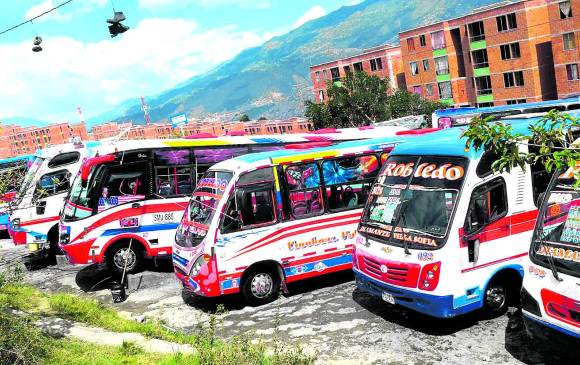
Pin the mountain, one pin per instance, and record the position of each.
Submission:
(273, 80)
(24, 122)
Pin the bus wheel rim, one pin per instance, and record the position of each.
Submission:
(120, 256)
(262, 285)
(495, 297)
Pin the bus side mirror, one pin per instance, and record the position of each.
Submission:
(40, 207)
(473, 249)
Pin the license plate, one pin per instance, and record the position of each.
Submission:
(389, 298)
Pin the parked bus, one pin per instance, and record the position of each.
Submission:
(551, 290)
(259, 221)
(34, 211)
(128, 201)
(446, 118)
(443, 234)
(12, 171)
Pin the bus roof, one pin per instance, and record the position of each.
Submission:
(284, 156)
(504, 108)
(449, 142)
(50, 152)
(328, 135)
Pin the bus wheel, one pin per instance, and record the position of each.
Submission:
(496, 298)
(117, 254)
(261, 286)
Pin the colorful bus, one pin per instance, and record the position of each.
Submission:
(446, 118)
(257, 222)
(128, 201)
(35, 210)
(12, 171)
(551, 290)
(443, 234)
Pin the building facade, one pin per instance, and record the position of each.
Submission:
(505, 53)
(383, 61)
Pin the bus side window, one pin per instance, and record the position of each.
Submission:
(52, 184)
(231, 221)
(348, 181)
(303, 182)
(484, 166)
(124, 184)
(488, 204)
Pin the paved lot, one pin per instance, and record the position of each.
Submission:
(326, 315)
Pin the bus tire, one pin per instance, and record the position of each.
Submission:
(261, 285)
(116, 253)
(496, 299)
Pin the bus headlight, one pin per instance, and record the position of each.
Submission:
(198, 265)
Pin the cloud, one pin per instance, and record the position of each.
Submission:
(153, 56)
(314, 12)
(260, 4)
(353, 2)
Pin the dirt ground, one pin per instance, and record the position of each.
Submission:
(327, 315)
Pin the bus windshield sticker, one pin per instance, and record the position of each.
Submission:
(425, 170)
(112, 201)
(213, 183)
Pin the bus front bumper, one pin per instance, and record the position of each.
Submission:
(550, 334)
(432, 305)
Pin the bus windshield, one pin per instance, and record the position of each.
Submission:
(557, 237)
(413, 200)
(28, 179)
(77, 205)
(202, 208)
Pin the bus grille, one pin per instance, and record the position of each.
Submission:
(397, 273)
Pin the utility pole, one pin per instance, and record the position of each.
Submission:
(145, 109)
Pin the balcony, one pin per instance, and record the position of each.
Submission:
(476, 36)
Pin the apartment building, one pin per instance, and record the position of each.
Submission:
(383, 61)
(16, 140)
(505, 53)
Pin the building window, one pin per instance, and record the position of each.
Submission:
(513, 79)
(414, 68)
(317, 75)
(479, 58)
(335, 74)
(358, 67)
(438, 40)
(376, 64)
(569, 41)
(411, 44)
(422, 41)
(565, 9)
(510, 51)
(417, 89)
(483, 85)
(324, 75)
(476, 31)
(572, 72)
(346, 70)
(484, 105)
(426, 65)
(506, 22)
(445, 90)
(429, 89)
(321, 95)
(516, 101)
(441, 65)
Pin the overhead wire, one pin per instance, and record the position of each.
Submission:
(36, 17)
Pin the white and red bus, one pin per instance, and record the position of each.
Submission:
(551, 290)
(443, 234)
(128, 200)
(35, 210)
(259, 221)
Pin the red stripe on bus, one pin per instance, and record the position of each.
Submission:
(299, 225)
(494, 262)
(504, 227)
(39, 221)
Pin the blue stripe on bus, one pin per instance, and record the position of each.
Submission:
(150, 228)
(319, 266)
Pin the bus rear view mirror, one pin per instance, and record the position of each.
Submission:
(40, 207)
(473, 249)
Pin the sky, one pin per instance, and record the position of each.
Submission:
(168, 42)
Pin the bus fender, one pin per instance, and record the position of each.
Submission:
(127, 236)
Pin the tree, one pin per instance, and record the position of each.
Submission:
(551, 142)
(244, 118)
(262, 118)
(360, 99)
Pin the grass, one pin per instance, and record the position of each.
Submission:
(210, 349)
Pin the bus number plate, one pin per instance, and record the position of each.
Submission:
(163, 217)
(389, 298)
